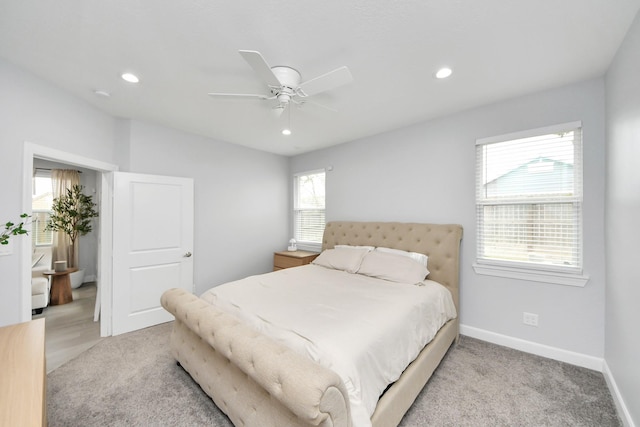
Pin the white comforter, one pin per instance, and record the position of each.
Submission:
(365, 329)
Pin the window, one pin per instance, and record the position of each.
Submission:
(529, 201)
(41, 207)
(308, 209)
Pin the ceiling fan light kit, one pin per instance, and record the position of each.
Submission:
(286, 86)
(278, 110)
(287, 131)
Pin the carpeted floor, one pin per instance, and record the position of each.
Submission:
(132, 380)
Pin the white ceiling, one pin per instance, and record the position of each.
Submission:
(181, 50)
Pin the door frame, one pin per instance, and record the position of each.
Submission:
(105, 241)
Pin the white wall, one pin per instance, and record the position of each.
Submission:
(35, 111)
(426, 173)
(622, 344)
(241, 199)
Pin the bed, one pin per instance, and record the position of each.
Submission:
(258, 380)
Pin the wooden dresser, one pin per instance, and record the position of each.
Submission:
(23, 375)
(286, 259)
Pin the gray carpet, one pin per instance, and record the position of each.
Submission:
(131, 380)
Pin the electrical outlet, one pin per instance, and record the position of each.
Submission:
(530, 319)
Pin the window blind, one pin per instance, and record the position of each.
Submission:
(41, 203)
(529, 198)
(39, 234)
(309, 207)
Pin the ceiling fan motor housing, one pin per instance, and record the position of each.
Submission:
(287, 76)
(289, 79)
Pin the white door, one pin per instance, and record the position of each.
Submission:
(152, 246)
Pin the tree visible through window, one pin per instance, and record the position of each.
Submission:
(529, 198)
(309, 208)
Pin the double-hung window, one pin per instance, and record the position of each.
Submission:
(309, 209)
(41, 208)
(529, 205)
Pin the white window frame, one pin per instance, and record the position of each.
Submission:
(302, 244)
(40, 173)
(571, 276)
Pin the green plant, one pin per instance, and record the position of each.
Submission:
(72, 214)
(12, 229)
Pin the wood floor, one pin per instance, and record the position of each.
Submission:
(69, 328)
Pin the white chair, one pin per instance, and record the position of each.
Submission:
(39, 294)
(40, 285)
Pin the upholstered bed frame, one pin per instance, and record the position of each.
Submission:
(259, 382)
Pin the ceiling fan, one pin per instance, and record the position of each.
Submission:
(285, 83)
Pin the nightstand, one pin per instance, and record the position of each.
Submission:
(286, 259)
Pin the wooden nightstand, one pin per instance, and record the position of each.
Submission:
(286, 259)
(23, 389)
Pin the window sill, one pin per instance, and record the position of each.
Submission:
(555, 277)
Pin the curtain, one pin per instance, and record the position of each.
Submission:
(63, 179)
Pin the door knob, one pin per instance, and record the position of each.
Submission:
(187, 255)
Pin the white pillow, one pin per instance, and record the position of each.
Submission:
(393, 267)
(341, 259)
(421, 258)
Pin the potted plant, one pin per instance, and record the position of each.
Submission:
(13, 229)
(72, 214)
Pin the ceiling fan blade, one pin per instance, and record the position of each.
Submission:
(306, 101)
(243, 95)
(328, 81)
(260, 66)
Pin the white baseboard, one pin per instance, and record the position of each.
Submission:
(91, 278)
(549, 352)
(623, 412)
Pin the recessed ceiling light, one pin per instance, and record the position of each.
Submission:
(443, 73)
(102, 93)
(131, 78)
(286, 131)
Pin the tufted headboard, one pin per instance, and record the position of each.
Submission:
(440, 242)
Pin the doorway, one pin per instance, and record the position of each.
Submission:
(102, 171)
(74, 327)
